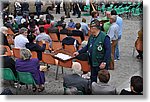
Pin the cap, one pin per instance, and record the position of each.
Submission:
(95, 23)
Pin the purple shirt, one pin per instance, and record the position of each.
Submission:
(31, 66)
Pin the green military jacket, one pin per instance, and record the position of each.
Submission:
(98, 50)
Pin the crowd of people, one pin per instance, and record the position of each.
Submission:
(101, 49)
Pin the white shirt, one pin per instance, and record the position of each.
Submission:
(20, 41)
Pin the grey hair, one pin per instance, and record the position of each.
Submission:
(25, 54)
(22, 30)
(114, 18)
(76, 67)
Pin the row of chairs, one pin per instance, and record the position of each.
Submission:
(22, 77)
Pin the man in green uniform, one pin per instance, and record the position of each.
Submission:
(98, 50)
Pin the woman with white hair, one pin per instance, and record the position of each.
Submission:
(28, 64)
(3, 31)
(75, 79)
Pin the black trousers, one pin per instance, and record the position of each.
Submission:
(94, 74)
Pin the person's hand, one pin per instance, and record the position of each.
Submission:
(75, 53)
(102, 65)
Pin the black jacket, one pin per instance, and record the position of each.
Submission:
(37, 48)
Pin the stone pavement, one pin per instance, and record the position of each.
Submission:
(127, 66)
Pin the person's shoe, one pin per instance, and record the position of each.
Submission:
(115, 60)
(41, 89)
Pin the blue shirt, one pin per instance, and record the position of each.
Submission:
(119, 22)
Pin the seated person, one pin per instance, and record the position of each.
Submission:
(43, 36)
(70, 41)
(75, 79)
(136, 86)
(28, 64)
(8, 62)
(103, 88)
(35, 47)
(77, 32)
(71, 24)
(84, 26)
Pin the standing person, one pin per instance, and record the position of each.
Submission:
(113, 34)
(38, 5)
(21, 39)
(98, 49)
(78, 10)
(119, 21)
(58, 2)
(17, 7)
(25, 8)
(67, 8)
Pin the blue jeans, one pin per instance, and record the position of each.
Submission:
(117, 54)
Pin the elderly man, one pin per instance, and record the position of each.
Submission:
(119, 21)
(113, 34)
(98, 49)
(75, 79)
(21, 39)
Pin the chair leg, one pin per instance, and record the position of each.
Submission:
(56, 72)
(62, 70)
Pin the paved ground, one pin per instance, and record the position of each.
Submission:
(127, 66)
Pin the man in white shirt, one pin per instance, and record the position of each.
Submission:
(21, 40)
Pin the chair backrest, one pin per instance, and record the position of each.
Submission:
(47, 44)
(70, 48)
(53, 36)
(25, 77)
(34, 54)
(62, 36)
(7, 74)
(47, 58)
(85, 66)
(56, 45)
(16, 52)
(8, 51)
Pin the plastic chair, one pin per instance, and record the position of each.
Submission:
(7, 74)
(47, 45)
(26, 78)
(16, 52)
